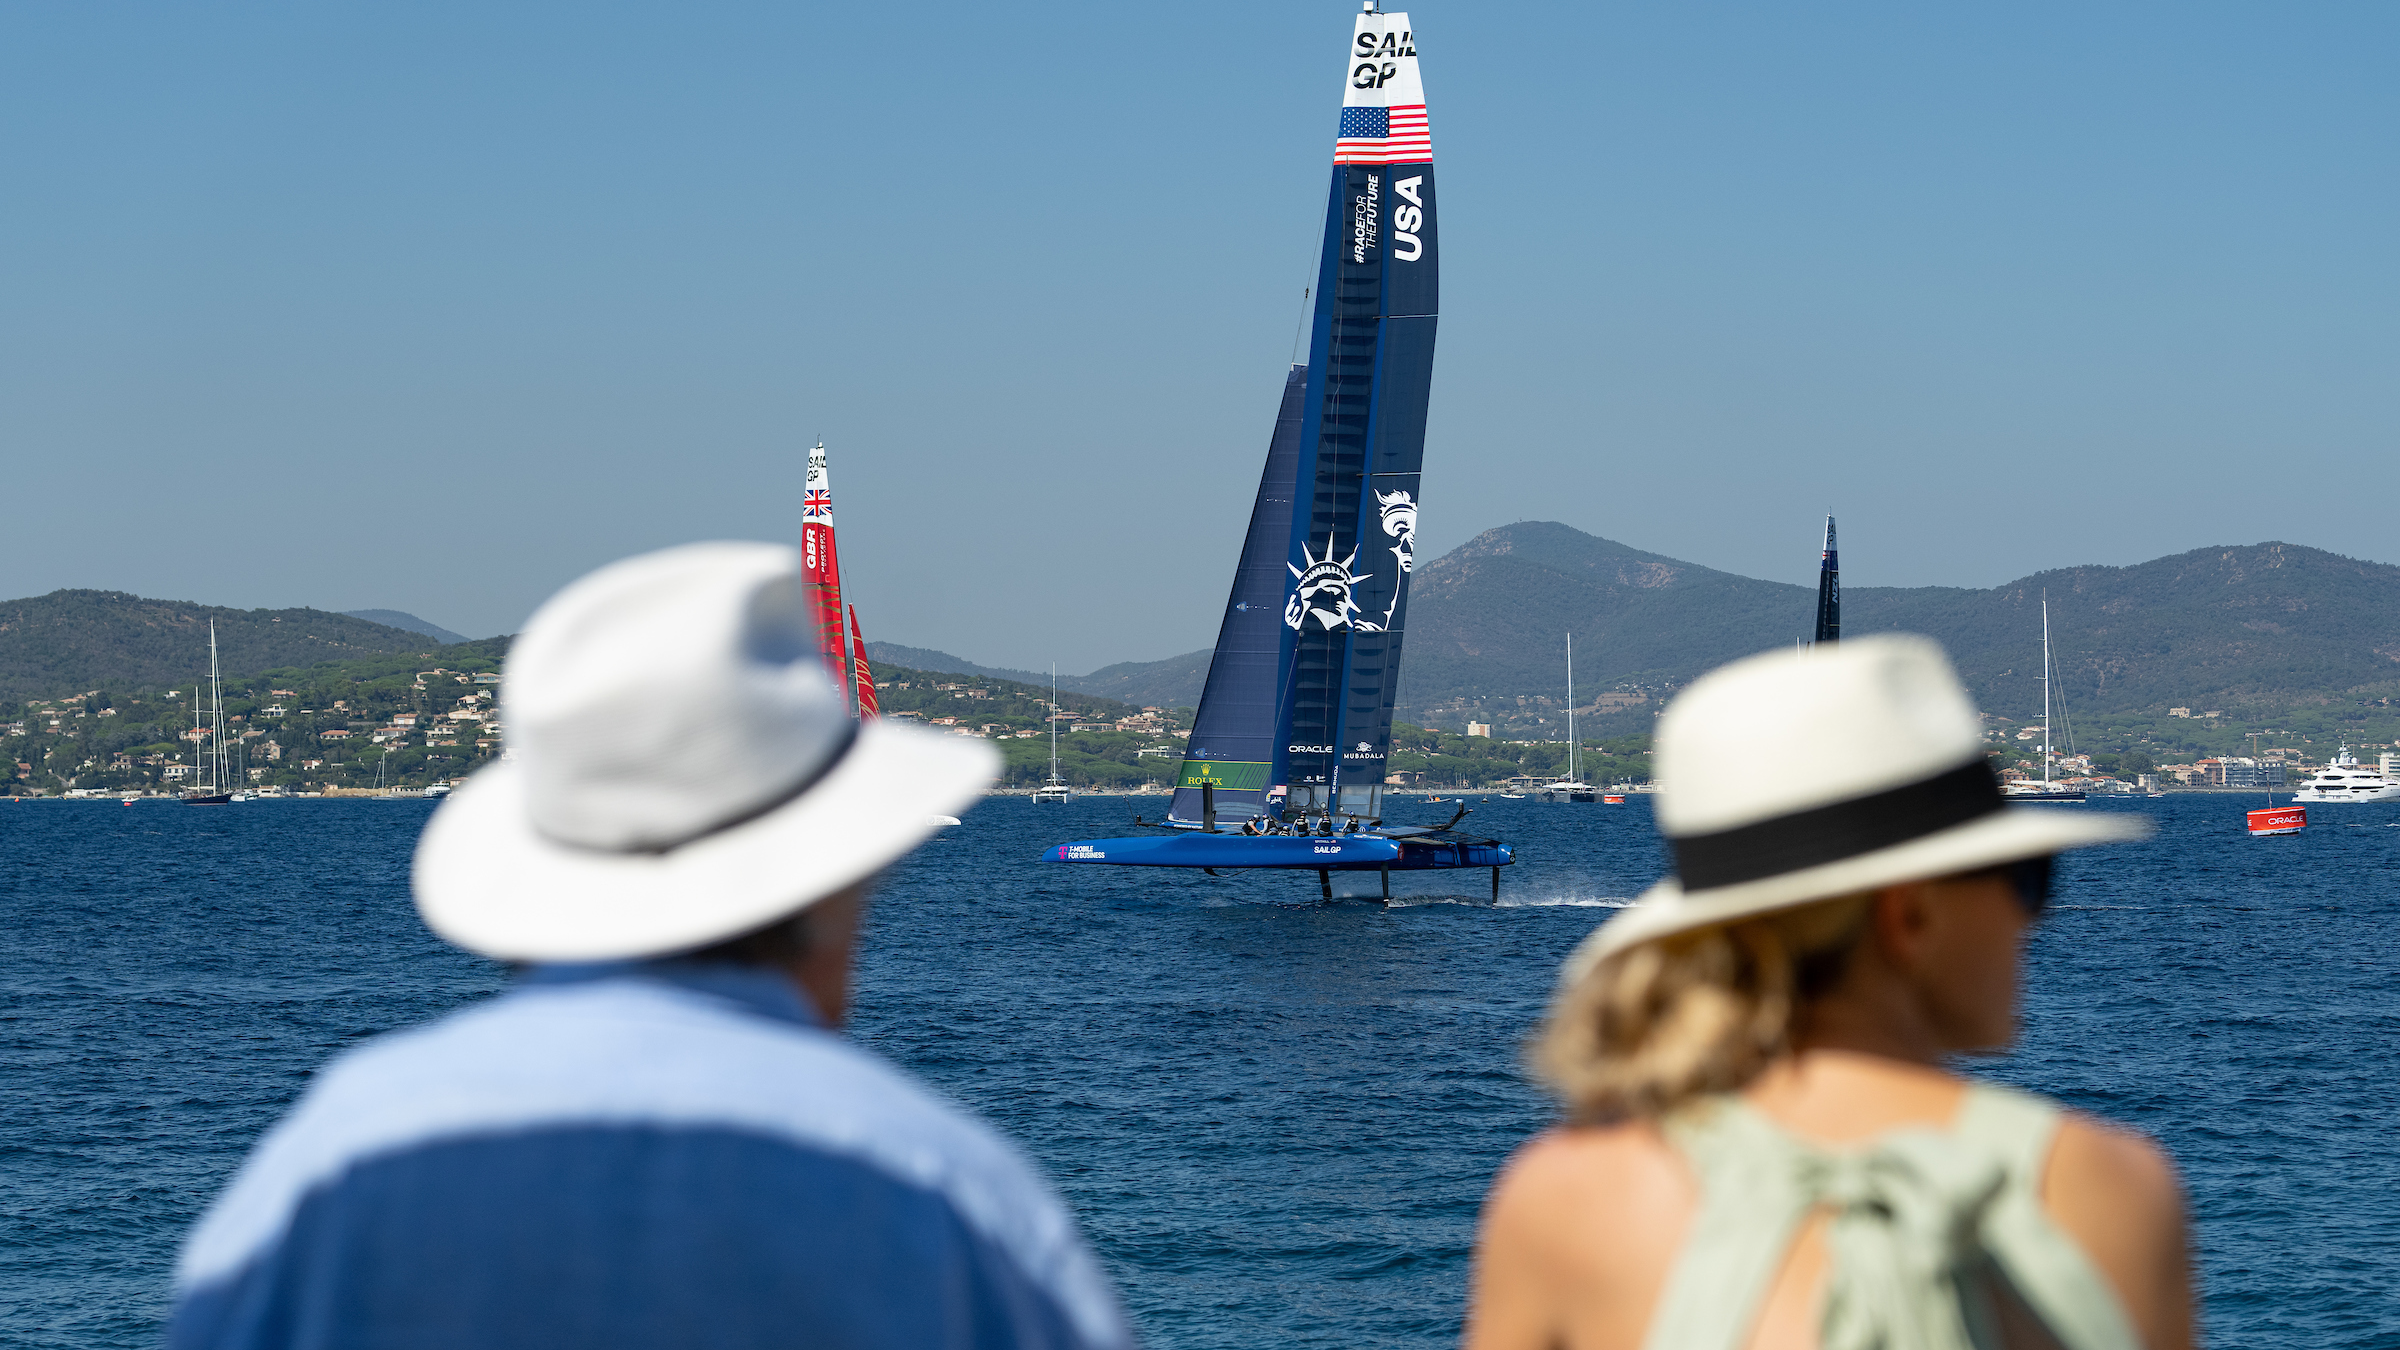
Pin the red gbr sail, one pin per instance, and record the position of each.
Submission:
(867, 707)
(821, 572)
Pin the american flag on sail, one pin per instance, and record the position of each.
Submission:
(1397, 135)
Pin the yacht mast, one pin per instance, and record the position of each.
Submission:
(2045, 689)
(1574, 749)
(216, 695)
(1054, 722)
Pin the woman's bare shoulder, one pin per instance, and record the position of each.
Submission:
(1592, 1171)
(1578, 1235)
(2096, 1158)
(2116, 1194)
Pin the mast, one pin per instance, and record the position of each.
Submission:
(821, 575)
(1053, 723)
(2045, 689)
(1362, 436)
(1829, 590)
(1574, 746)
(216, 716)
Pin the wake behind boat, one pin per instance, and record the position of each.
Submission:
(1294, 728)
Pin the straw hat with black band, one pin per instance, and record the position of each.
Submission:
(1788, 778)
(681, 770)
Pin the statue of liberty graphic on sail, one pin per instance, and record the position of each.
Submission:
(1285, 767)
(1322, 590)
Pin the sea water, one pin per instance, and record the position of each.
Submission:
(1274, 1117)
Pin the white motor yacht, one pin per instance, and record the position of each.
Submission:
(2347, 780)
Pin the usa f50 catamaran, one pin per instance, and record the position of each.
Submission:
(1286, 761)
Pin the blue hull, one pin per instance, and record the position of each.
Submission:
(1334, 853)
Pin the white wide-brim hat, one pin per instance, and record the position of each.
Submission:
(1787, 778)
(681, 770)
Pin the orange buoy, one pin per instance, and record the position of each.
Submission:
(2279, 820)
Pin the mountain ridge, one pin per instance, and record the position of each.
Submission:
(71, 640)
(407, 622)
(2272, 622)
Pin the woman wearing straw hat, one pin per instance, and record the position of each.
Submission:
(1766, 1150)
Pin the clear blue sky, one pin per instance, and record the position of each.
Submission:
(434, 306)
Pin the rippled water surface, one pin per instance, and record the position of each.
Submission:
(1275, 1117)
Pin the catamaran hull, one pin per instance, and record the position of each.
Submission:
(1316, 853)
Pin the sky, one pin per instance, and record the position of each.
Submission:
(433, 307)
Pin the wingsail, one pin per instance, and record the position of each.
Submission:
(1362, 433)
(821, 576)
(1829, 590)
(1295, 724)
(1236, 744)
(867, 705)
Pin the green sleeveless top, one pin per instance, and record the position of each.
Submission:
(1937, 1238)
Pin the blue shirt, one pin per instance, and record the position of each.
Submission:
(634, 1156)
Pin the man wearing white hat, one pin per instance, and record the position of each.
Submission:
(658, 1138)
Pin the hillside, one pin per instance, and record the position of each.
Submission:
(2256, 631)
(396, 618)
(1172, 683)
(2258, 626)
(69, 641)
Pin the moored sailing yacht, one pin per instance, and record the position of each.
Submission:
(1571, 788)
(2043, 792)
(209, 745)
(1286, 763)
(1056, 791)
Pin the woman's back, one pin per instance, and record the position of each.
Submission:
(1843, 1200)
(1771, 1156)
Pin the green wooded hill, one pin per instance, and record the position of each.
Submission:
(2253, 627)
(2256, 631)
(70, 641)
(1172, 683)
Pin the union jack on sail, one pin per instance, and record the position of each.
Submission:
(821, 575)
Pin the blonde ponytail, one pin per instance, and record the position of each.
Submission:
(1692, 1013)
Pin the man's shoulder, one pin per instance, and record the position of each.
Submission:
(638, 1052)
(632, 1050)
(634, 1054)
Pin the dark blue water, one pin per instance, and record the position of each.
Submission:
(1274, 1117)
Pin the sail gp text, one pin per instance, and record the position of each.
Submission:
(1406, 221)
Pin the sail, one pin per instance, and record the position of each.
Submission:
(1362, 435)
(1235, 733)
(1829, 590)
(867, 706)
(821, 571)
